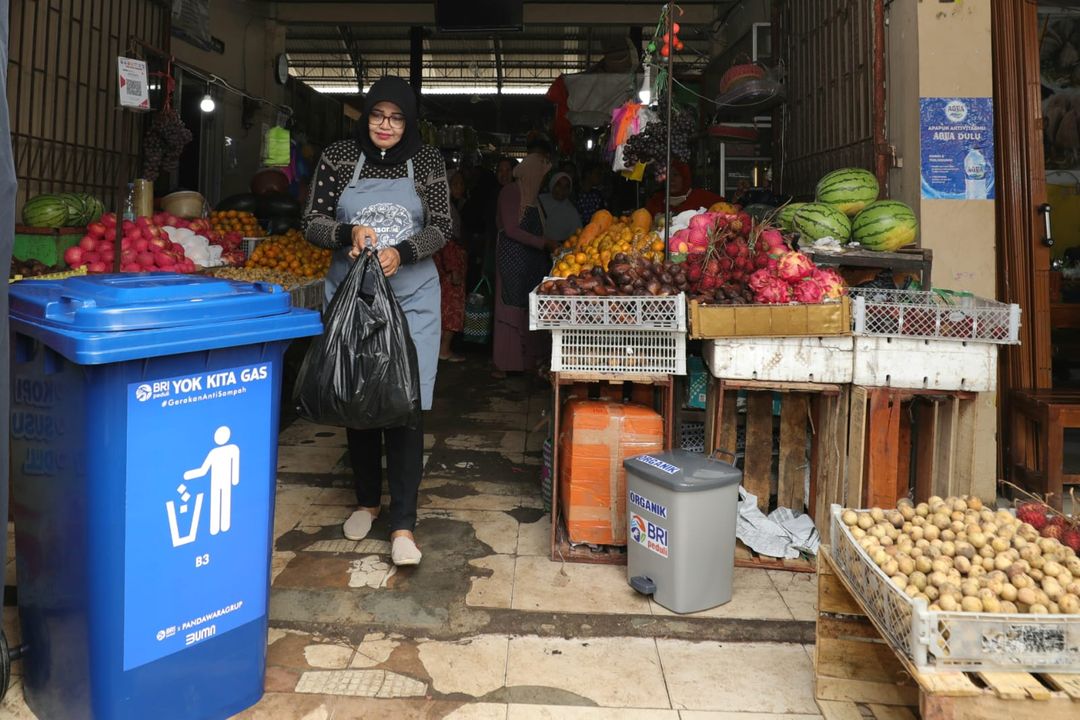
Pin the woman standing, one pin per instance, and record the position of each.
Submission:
(388, 191)
(523, 259)
(562, 217)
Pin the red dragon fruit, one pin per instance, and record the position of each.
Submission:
(831, 282)
(774, 292)
(703, 222)
(1033, 514)
(794, 266)
(759, 279)
(808, 291)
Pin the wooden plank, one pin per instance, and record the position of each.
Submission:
(817, 402)
(872, 661)
(951, 684)
(833, 597)
(837, 710)
(989, 707)
(783, 387)
(857, 444)
(846, 494)
(903, 450)
(1015, 685)
(879, 483)
(885, 712)
(945, 441)
(794, 412)
(757, 463)
(846, 627)
(712, 416)
(729, 423)
(926, 427)
(964, 481)
(828, 688)
(1068, 684)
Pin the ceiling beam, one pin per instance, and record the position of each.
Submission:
(355, 56)
(330, 13)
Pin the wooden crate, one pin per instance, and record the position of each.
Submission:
(905, 439)
(812, 428)
(854, 666)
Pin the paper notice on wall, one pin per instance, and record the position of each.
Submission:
(957, 137)
(133, 90)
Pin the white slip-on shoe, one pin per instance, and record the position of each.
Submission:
(403, 551)
(358, 525)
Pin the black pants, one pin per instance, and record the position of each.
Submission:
(404, 467)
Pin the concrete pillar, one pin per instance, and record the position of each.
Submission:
(942, 49)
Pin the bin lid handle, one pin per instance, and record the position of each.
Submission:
(717, 453)
(66, 307)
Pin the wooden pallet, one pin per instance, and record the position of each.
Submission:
(747, 558)
(812, 428)
(905, 439)
(854, 666)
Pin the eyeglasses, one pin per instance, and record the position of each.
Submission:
(376, 118)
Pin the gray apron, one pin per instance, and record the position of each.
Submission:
(394, 210)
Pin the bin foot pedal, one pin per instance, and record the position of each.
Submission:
(643, 585)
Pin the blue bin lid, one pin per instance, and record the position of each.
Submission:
(110, 318)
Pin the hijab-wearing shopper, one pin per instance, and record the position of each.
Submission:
(387, 190)
(523, 259)
(562, 217)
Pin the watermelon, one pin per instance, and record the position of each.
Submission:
(46, 211)
(850, 190)
(818, 220)
(885, 226)
(787, 214)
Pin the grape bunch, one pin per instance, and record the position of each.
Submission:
(650, 145)
(163, 143)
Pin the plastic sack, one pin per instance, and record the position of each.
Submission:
(362, 372)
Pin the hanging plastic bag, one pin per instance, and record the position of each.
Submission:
(362, 371)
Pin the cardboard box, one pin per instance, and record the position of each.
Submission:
(596, 437)
(47, 245)
(723, 321)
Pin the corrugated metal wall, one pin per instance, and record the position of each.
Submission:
(828, 53)
(66, 131)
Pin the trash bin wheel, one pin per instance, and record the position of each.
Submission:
(5, 665)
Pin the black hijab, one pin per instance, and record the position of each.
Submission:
(398, 91)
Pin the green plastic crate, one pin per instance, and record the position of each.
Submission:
(45, 244)
(697, 383)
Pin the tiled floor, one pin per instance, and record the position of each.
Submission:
(488, 627)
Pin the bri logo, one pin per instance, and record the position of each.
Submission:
(649, 534)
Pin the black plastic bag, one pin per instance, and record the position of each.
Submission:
(362, 372)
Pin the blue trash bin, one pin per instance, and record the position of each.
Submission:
(144, 416)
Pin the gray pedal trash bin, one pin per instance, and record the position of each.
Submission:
(681, 509)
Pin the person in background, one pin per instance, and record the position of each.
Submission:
(523, 259)
(504, 170)
(684, 196)
(478, 219)
(591, 198)
(452, 263)
(386, 191)
(562, 217)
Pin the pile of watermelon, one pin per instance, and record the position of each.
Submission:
(62, 210)
(847, 209)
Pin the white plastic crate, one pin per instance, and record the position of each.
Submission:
(782, 359)
(960, 641)
(548, 312)
(247, 245)
(622, 352)
(935, 315)
(925, 364)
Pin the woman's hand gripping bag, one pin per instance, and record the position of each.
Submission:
(362, 372)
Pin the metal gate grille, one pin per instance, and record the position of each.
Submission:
(828, 123)
(66, 132)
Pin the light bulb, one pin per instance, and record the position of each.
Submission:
(645, 94)
(207, 105)
(589, 144)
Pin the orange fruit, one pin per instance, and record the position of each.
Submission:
(603, 219)
(723, 207)
(642, 219)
